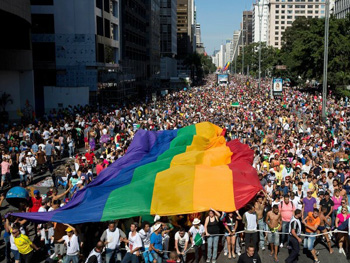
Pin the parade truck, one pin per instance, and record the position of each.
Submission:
(222, 79)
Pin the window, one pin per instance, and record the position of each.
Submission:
(276, 43)
(43, 24)
(100, 53)
(277, 17)
(276, 38)
(276, 33)
(289, 22)
(115, 32)
(107, 28)
(277, 6)
(106, 5)
(283, 17)
(309, 11)
(99, 4)
(290, 6)
(282, 27)
(283, 6)
(276, 27)
(310, 6)
(115, 8)
(99, 25)
(277, 11)
(289, 17)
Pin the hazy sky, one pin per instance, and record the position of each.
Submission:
(218, 19)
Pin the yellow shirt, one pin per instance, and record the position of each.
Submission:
(279, 177)
(23, 243)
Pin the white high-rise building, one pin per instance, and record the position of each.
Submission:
(229, 51)
(261, 10)
(283, 13)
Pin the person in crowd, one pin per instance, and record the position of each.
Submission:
(196, 234)
(274, 223)
(111, 238)
(311, 222)
(250, 221)
(181, 243)
(250, 255)
(72, 244)
(231, 223)
(294, 239)
(156, 245)
(134, 245)
(259, 210)
(212, 231)
(24, 245)
(95, 255)
(340, 219)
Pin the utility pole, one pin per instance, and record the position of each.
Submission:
(325, 62)
(260, 14)
(243, 45)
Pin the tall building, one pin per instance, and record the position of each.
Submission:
(153, 29)
(168, 39)
(228, 51)
(247, 27)
(341, 8)
(185, 33)
(134, 40)
(16, 63)
(199, 45)
(184, 28)
(282, 15)
(75, 44)
(261, 11)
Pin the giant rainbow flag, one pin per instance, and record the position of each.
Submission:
(170, 172)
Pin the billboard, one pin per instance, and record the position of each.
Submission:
(222, 79)
(277, 87)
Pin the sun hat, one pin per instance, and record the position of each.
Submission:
(196, 221)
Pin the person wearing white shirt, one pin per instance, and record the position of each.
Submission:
(196, 234)
(111, 238)
(134, 245)
(181, 243)
(71, 241)
(95, 254)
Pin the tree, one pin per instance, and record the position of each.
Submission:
(303, 50)
(199, 64)
(269, 57)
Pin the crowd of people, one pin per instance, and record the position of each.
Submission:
(302, 163)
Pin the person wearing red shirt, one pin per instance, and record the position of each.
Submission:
(99, 166)
(36, 201)
(90, 156)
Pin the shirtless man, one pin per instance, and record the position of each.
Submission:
(274, 222)
(259, 210)
(325, 220)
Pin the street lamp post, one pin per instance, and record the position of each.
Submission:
(260, 14)
(243, 46)
(325, 62)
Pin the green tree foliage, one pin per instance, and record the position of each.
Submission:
(302, 52)
(199, 64)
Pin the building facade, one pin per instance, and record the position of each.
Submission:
(283, 14)
(16, 61)
(198, 36)
(341, 8)
(261, 11)
(168, 39)
(185, 34)
(75, 44)
(247, 23)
